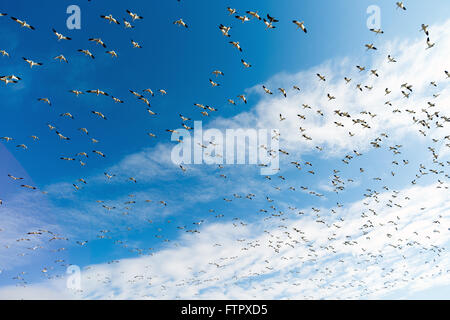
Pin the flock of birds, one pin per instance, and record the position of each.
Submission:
(425, 119)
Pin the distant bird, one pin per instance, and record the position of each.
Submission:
(424, 28)
(400, 5)
(300, 25)
(225, 30)
(135, 44)
(266, 90)
(110, 18)
(101, 115)
(61, 58)
(60, 36)
(98, 41)
(242, 18)
(254, 14)
(86, 52)
(32, 63)
(127, 24)
(236, 45)
(112, 53)
(180, 22)
(391, 59)
(231, 11)
(134, 16)
(24, 24)
(46, 100)
(246, 64)
(430, 44)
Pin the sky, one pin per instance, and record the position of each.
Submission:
(384, 235)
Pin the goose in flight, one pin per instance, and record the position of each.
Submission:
(242, 97)
(236, 45)
(321, 78)
(61, 58)
(127, 24)
(391, 59)
(370, 46)
(112, 53)
(76, 92)
(109, 176)
(67, 114)
(447, 73)
(14, 178)
(97, 92)
(28, 187)
(271, 19)
(99, 153)
(254, 14)
(400, 5)
(361, 68)
(46, 100)
(268, 24)
(4, 53)
(225, 30)
(101, 115)
(347, 80)
(217, 73)
(430, 44)
(231, 11)
(98, 41)
(246, 64)
(117, 100)
(110, 18)
(296, 87)
(136, 94)
(283, 91)
(377, 31)
(149, 91)
(6, 80)
(32, 63)
(184, 118)
(60, 36)
(135, 44)
(214, 84)
(67, 159)
(134, 16)
(86, 52)
(266, 90)
(424, 28)
(61, 136)
(242, 18)
(180, 22)
(24, 24)
(24, 147)
(300, 25)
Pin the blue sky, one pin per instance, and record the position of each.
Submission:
(180, 61)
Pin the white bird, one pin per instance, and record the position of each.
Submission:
(110, 18)
(134, 16)
(23, 23)
(400, 5)
(60, 36)
(180, 22)
(300, 24)
(86, 52)
(32, 63)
